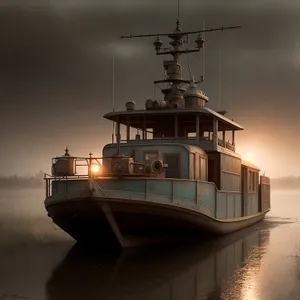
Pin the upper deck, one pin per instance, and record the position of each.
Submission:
(194, 126)
(138, 118)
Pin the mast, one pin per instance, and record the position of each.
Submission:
(219, 81)
(175, 84)
(113, 98)
(203, 56)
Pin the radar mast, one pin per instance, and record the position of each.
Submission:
(176, 85)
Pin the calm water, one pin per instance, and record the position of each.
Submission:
(38, 261)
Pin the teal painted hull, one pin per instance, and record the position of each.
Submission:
(131, 212)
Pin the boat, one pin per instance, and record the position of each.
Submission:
(175, 174)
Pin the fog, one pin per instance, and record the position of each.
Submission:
(56, 74)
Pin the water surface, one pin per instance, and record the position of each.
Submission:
(39, 261)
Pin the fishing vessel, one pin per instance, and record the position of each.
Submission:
(175, 174)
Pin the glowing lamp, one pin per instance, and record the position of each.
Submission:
(95, 168)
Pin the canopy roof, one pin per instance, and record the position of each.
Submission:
(138, 118)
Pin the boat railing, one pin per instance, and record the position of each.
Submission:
(221, 142)
(204, 142)
(203, 138)
(75, 168)
(149, 190)
(225, 144)
(49, 179)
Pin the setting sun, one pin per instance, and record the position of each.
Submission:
(249, 156)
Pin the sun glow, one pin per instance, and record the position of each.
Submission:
(249, 156)
(252, 153)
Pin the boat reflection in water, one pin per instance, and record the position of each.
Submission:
(218, 269)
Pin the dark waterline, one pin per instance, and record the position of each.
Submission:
(38, 261)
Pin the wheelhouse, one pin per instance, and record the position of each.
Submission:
(208, 136)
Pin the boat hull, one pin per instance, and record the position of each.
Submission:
(129, 223)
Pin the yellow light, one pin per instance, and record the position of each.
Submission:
(95, 168)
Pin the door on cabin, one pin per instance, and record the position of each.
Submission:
(173, 169)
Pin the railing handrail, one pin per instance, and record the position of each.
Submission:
(51, 177)
(205, 138)
(71, 178)
(228, 145)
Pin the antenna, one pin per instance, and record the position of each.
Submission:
(113, 83)
(113, 98)
(181, 34)
(219, 80)
(174, 81)
(230, 84)
(203, 54)
(189, 67)
(178, 9)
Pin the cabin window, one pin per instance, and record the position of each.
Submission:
(150, 156)
(252, 181)
(203, 169)
(211, 170)
(191, 134)
(192, 166)
(190, 131)
(173, 165)
(206, 135)
(148, 134)
(256, 181)
(249, 180)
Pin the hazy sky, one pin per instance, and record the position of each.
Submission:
(56, 74)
